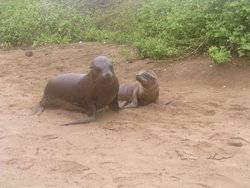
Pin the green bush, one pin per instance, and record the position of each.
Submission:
(93, 34)
(31, 22)
(165, 28)
(128, 53)
(219, 55)
(228, 25)
(156, 28)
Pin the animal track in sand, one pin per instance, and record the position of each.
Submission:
(235, 144)
(93, 180)
(21, 163)
(111, 165)
(50, 137)
(239, 138)
(68, 166)
(121, 126)
(137, 179)
(236, 107)
(137, 186)
(220, 154)
(213, 104)
(202, 185)
(186, 155)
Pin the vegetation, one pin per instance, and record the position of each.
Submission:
(30, 22)
(219, 55)
(127, 53)
(156, 28)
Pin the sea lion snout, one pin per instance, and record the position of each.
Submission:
(108, 75)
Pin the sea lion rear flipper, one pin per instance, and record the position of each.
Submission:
(168, 102)
(132, 105)
(86, 120)
(38, 109)
(91, 116)
(124, 104)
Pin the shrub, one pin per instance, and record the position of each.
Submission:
(31, 22)
(157, 28)
(228, 25)
(127, 53)
(165, 28)
(219, 55)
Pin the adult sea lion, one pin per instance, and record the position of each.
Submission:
(142, 92)
(84, 92)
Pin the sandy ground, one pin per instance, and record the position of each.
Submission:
(201, 139)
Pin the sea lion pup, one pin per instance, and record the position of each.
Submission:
(143, 92)
(83, 92)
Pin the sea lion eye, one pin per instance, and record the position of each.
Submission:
(147, 76)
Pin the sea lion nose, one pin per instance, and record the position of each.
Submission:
(107, 75)
(138, 76)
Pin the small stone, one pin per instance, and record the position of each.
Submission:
(29, 53)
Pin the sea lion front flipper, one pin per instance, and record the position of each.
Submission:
(91, 116)
(114, 105)
(156, 100)
(134, 103)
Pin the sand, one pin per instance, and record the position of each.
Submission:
(201, 139)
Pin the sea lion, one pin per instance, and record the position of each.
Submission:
(84, 92)
(142, 92)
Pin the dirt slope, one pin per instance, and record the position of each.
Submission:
(201, 139)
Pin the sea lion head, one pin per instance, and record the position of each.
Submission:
(102, 67)
(147, 78)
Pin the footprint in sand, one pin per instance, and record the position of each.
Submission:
(220, 154)
(185, 155)
(67, 166)
(2, 133)
(241, 139)
(237, 107)
(235, 144)
(137, 180)
(20, 163)
(93, 180)
(49, 137)
(237, 141)
(137, 186)
(213, 104)
(111, 165)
